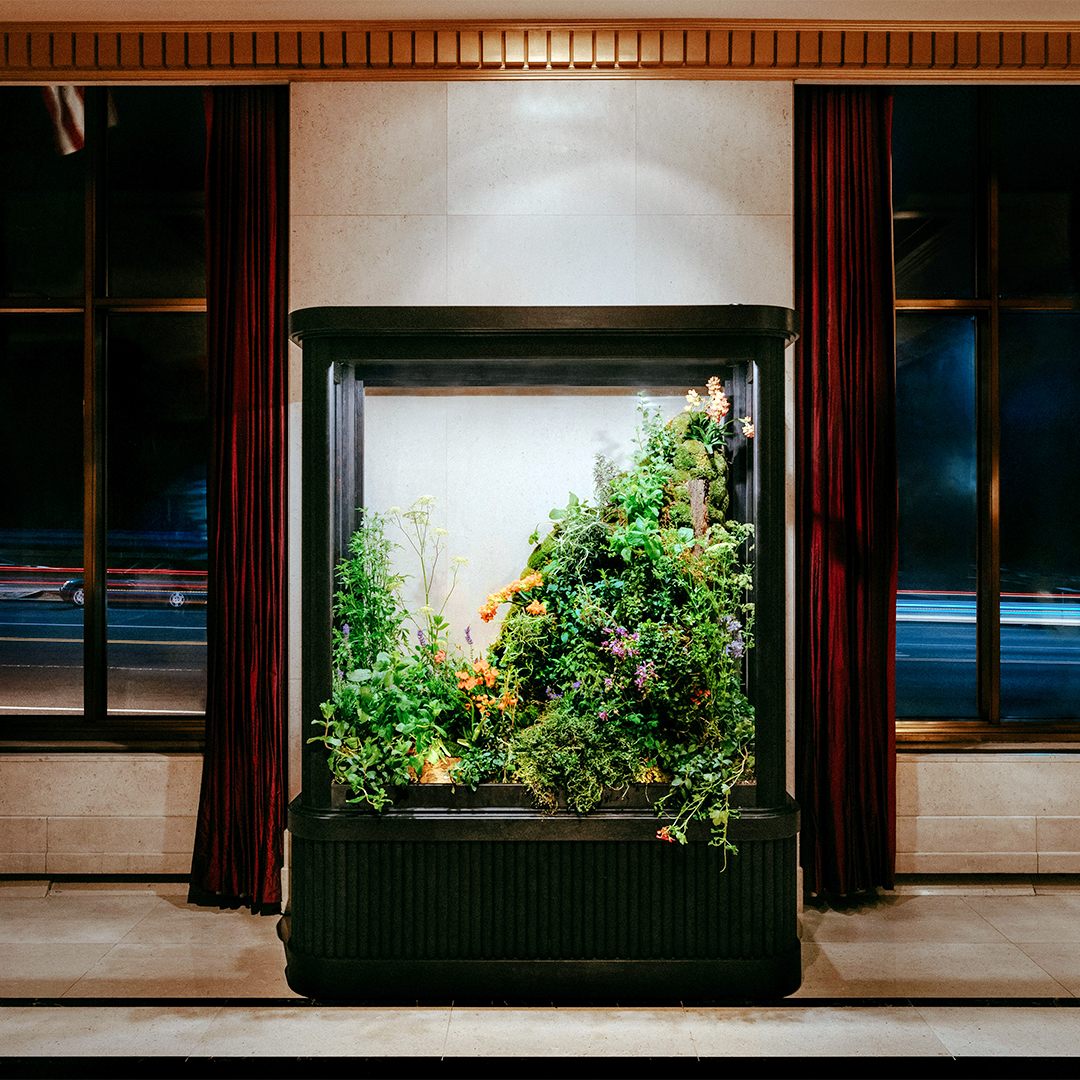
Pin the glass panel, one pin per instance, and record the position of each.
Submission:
(41, 506)
(934, 159)
(1040, 515)
(157, 513)
(456, 437)
(41, 202)
(935, 617)
(1038, 182)
(156, 167)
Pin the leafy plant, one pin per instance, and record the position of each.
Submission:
(619, 659)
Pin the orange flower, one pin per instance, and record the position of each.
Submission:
(440, 656)
(662, 834)
(537, 607)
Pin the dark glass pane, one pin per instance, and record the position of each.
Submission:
(1040, 515)
(41, 202)
(934, 191)
(157, 512)
(156, 166)
(935, 632)
(41, 505)
(1038, 183)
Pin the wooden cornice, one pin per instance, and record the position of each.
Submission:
(728, 49)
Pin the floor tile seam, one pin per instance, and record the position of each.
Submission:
(1042, 967)
(983, 918)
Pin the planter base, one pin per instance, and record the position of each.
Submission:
(503, 902)
(544, 981)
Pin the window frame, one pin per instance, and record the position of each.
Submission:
(990, 732)
(95, 729)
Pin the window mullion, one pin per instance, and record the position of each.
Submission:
(988, 649)
(95, 614)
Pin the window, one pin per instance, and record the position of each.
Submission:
(986, 192)
(103, 416)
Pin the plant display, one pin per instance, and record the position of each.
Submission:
(619, 658)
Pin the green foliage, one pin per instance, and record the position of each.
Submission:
(570, 749)
(620, 657)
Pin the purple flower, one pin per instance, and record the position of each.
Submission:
(345, 631)
(603, 714)
(467, 638)
(575, 685)
(552, 696)
(420, 637)
(735, 648)
(608, 683)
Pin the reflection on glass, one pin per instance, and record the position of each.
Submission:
(41, 540)
(1040, 515)
(935, 632)
(934, 158)
(1038, 185)
(156, 162)
(41, 202)
(157, 513)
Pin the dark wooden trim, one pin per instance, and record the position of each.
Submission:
(526, 346)
(655, 48)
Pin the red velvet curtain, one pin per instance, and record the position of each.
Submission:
(845, 490)
(239, 834)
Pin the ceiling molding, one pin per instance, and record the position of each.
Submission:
(698, 49)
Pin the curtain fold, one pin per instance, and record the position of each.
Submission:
(239, 832)
(846, 506)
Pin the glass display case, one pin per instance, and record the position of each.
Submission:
(473, 889)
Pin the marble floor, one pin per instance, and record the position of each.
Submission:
(944, 968)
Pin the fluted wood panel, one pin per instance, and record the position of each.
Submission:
(667, 49)
(537, 900)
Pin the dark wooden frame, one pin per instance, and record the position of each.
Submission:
(356, 875)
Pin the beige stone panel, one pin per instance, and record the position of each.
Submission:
(541, 259)
(543, 147)
(981, 785)
(1058, 834)
(714, 147)
(967, 862)
(22, 862)
(368, 148)
(23, 834)
(968, 834)
(143, 835)
(1059, 862)
(716, 259)
(100, 784)
(76, 862)
(367, 260)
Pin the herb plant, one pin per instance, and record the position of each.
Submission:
(620, 655)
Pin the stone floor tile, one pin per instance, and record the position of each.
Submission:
(923, 969)
(325, 1031)
(185, 970)
(87, 1032)
(569, 1032)
(73, 917)
(21, 888)
(899, 919)
(812, 1032)
(1005, 1032)
(45, 969)
(1060, 960)
(173, 920)
(1046, 917)
(121, 888)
